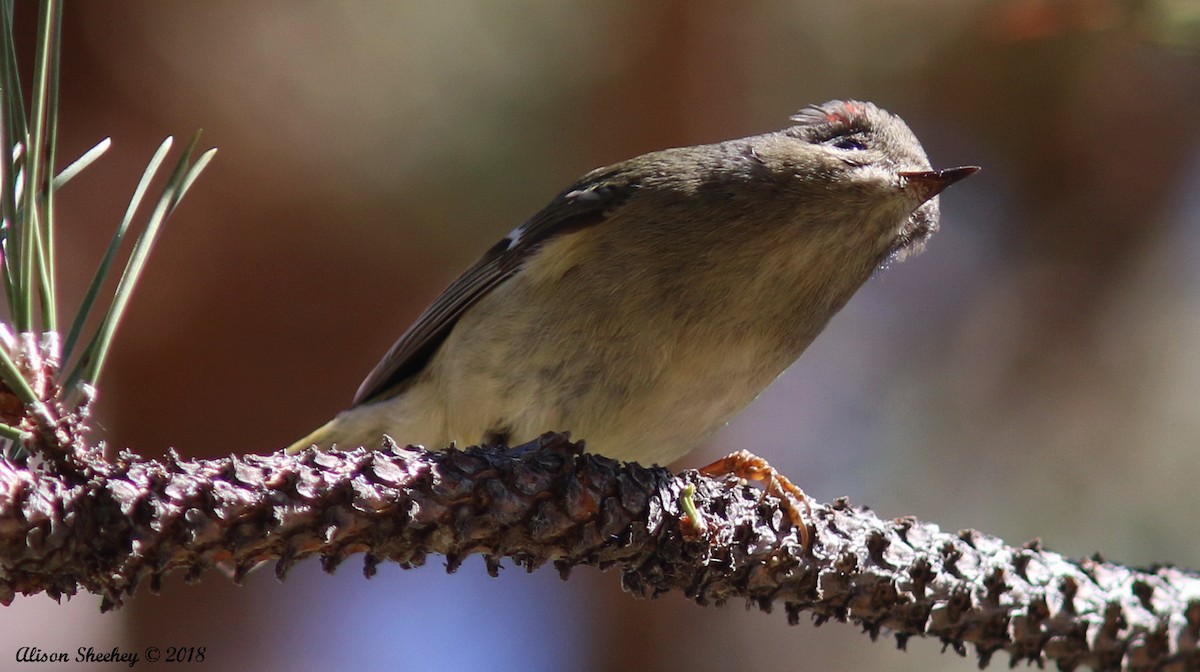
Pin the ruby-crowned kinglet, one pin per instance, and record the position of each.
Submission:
(653, 299)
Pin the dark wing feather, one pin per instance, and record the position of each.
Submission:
(586, 203)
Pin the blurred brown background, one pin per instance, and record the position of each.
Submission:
(1034, 374)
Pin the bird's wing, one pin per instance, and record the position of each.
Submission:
(586, 203)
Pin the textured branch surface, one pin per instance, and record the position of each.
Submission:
(108, 530)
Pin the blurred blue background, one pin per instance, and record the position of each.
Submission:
(1035, 373)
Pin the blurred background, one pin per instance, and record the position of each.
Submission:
(1035, 373)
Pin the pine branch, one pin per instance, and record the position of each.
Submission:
(117, 524)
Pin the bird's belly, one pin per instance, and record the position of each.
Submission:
(649, 404)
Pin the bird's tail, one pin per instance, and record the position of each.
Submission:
(322, 437)
(411, 417)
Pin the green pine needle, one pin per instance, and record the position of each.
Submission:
(194, 172)
(114, 245)
(48, 289)
(14, 136)
(11, 375)
(77, 166)
(12, 433)
(30, 251)
(92, 360)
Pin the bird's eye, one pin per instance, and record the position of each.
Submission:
(848, 144)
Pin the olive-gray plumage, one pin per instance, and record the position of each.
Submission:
(653, 299)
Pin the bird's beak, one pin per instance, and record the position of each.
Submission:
(929, 183)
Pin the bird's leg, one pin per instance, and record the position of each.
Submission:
(746, 465)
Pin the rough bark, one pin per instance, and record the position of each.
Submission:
(110, 526)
